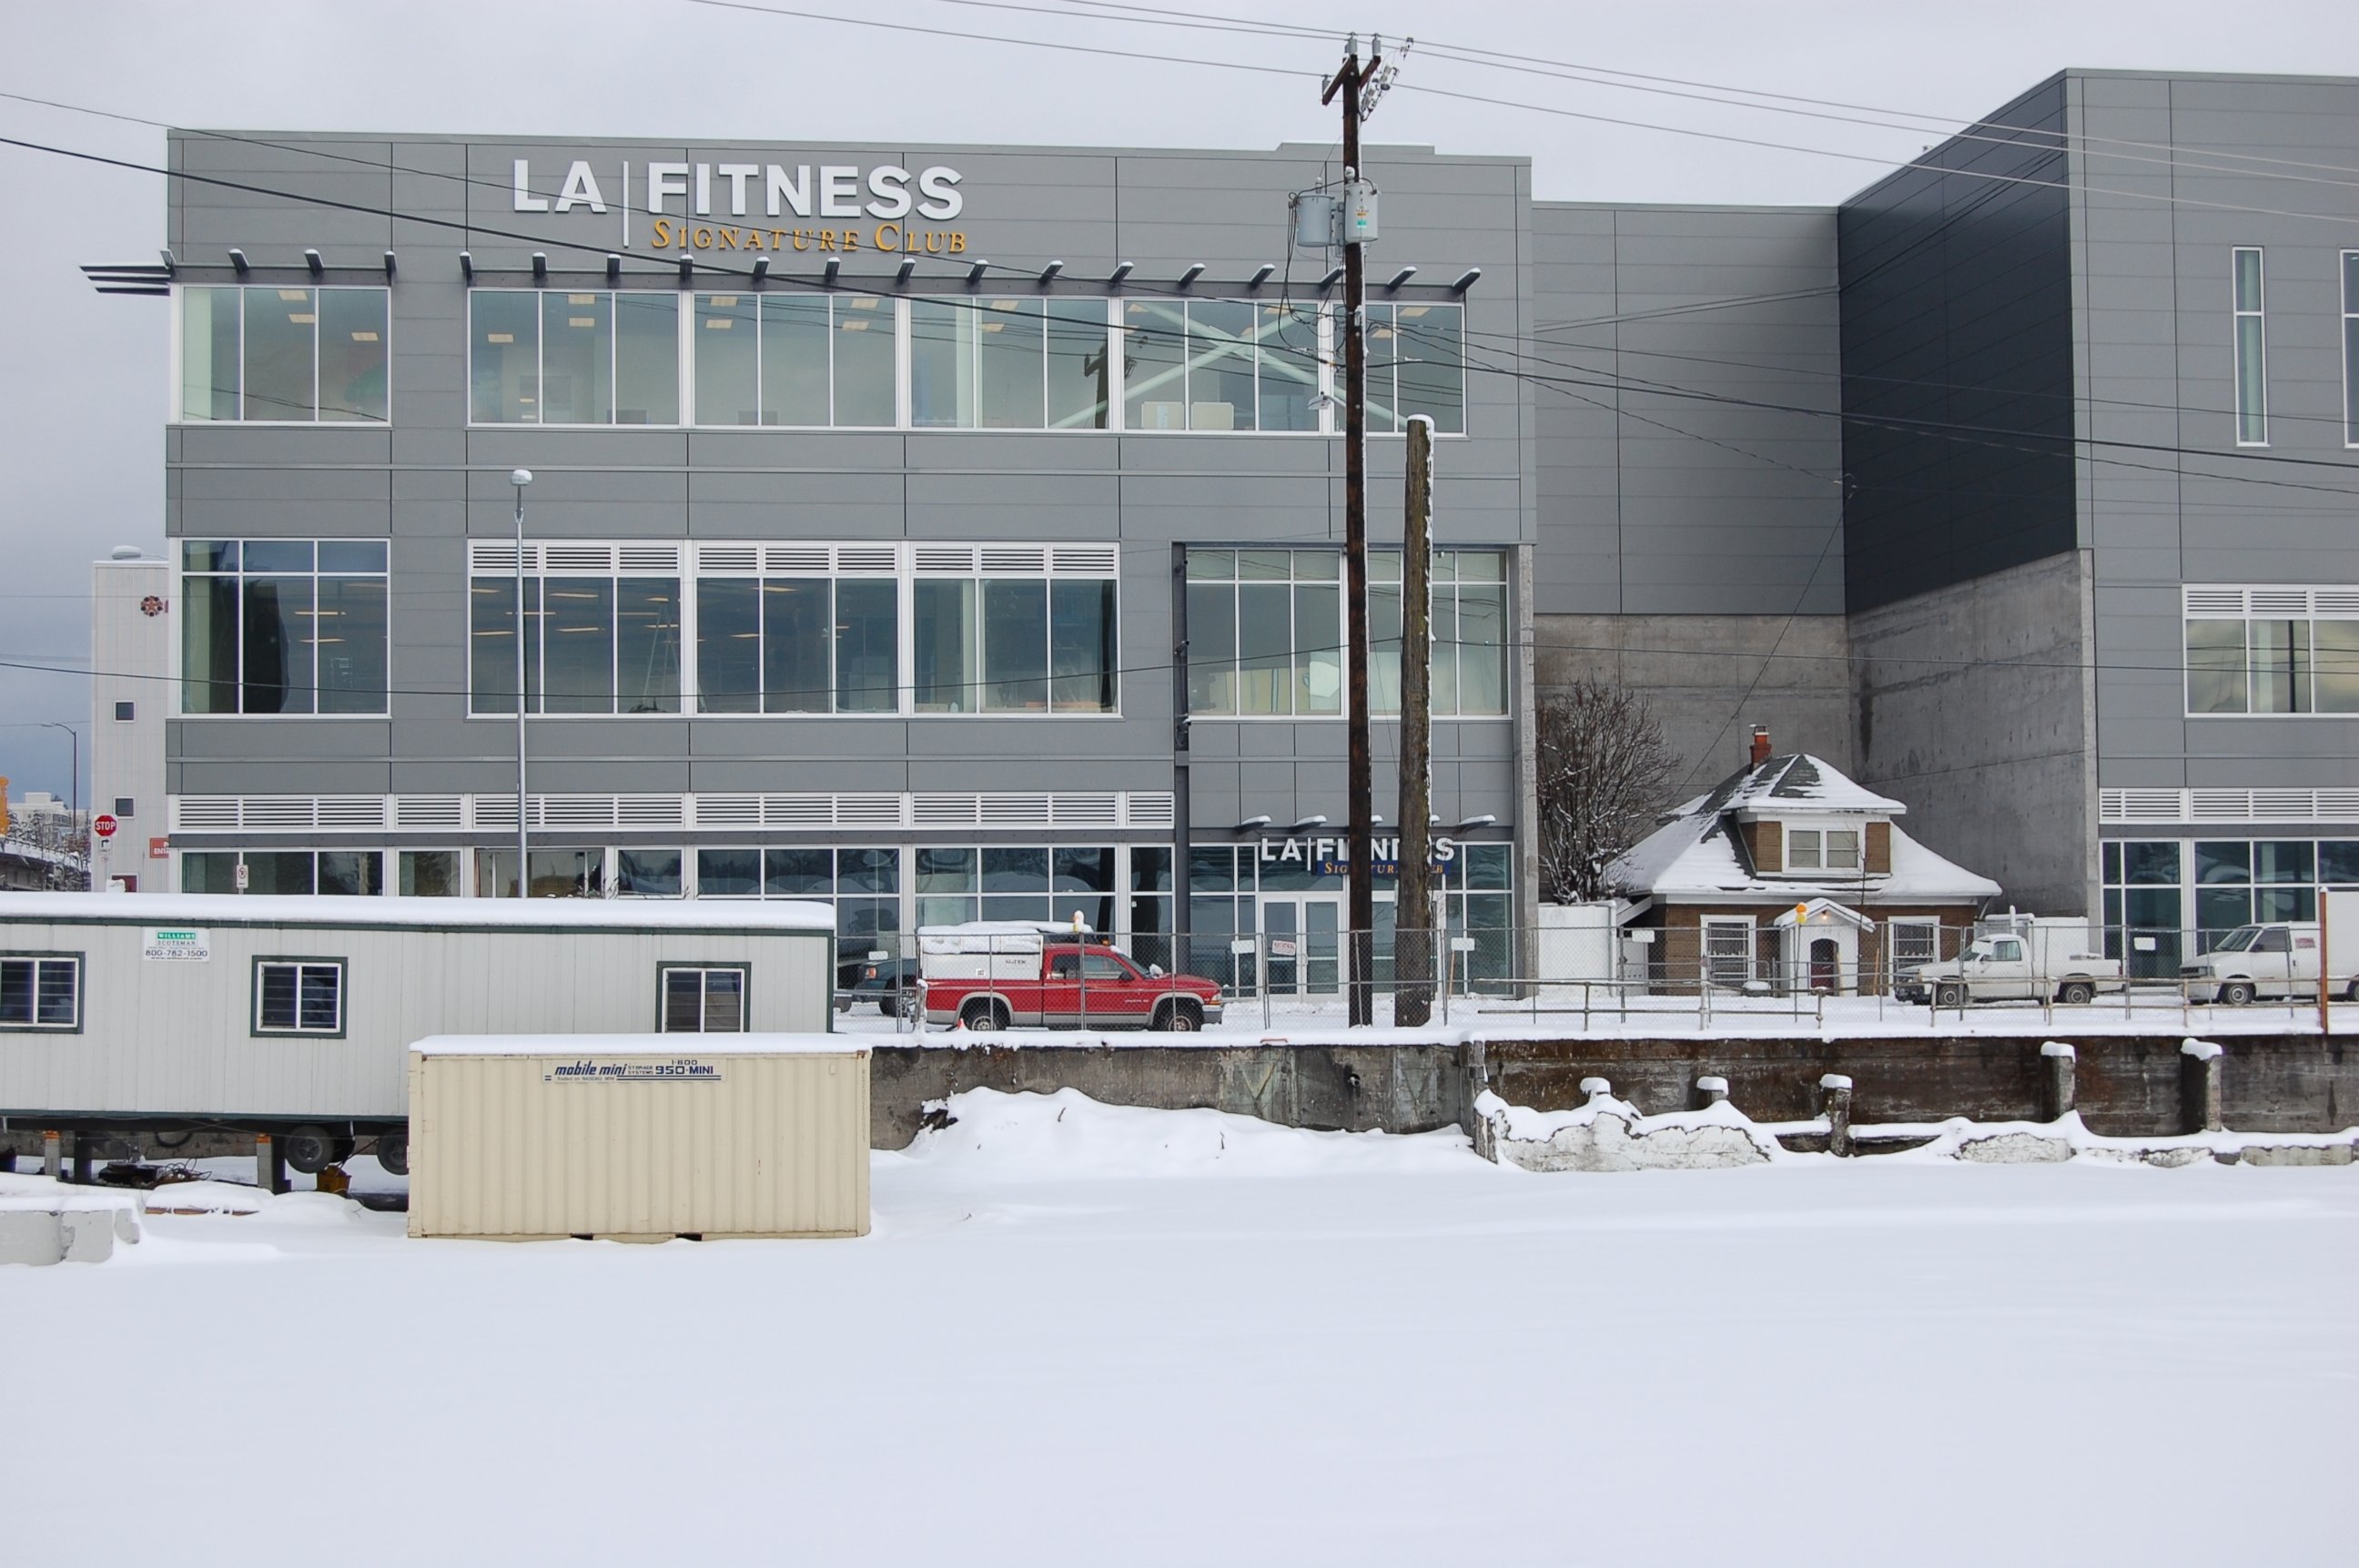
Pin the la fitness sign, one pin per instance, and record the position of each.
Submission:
(889, 208)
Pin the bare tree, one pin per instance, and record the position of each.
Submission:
(1604, 775)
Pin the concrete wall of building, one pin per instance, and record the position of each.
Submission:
(1711, 678)
(1973, 703)
(2167, 496)
(1957, 368)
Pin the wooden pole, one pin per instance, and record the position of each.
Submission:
(1413, 923)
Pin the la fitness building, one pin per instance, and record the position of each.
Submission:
(955, 532)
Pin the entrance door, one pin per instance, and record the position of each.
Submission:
(1303, 935)
(1826, 960)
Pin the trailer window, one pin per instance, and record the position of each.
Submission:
(41, 992)
(698, 1000)
(299, 996)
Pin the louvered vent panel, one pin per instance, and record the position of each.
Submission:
(1085, 561)
(2280, 601)
(868, 810)
(728, 810)
(663, 558)
(2280, 805)
(943, 811)
(1012, 810)
(412, 812)
(351, 811)
(2215, 600)
(728, 558)
(649, 811)
(800, 811)
(1085, 810)
(487, 555)
(2338, 805)
(1148, 809)
(277, 812)
(199, 812)
(1014, 558)
(575, 810)
(2336, 601)
(799, 559)
(945, 558)
(2217, 805)
(869, 559)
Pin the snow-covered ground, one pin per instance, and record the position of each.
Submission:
(1091, 1335)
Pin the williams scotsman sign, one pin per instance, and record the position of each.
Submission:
(676, 196)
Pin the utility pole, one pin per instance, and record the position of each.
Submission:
(1413, 938)
(1361, 914)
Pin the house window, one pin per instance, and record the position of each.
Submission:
(41, 991)
(304, 355)
(2252, 357)
(1728, 951)
(1821, 849)
(282, 627)
(702, 1000)
(568, 357)
(2272, 650)
(299, 996)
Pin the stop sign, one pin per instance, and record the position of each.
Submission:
(103, 824)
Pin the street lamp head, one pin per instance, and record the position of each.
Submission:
(520, 477)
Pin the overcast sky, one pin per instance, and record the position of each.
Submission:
(82, 395)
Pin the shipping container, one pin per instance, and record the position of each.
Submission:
(633, 1137)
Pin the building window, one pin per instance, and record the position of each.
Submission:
(599, 637)
(648, 874)
(290, 354)
(555, 874)
(1821, 849)
(335, 873)
(2351, 348)
(1728, 951)
(567, 357)
(1012, 640)
(1417, 365)
(2252, 351)
(863, 886)
(1265, 634)
(123, 804)
(1008, 363)
(124, 712)
(42, 991)
(283, 626)
(2272, 650)
(809, 360)
(299, 996)
(429, 873)
(798, 645)
(702, 1000)
(1469, 633)
(1220, 365)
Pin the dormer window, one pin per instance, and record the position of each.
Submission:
(1821, 849)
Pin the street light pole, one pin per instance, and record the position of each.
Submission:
(520, 478)
(73, 802)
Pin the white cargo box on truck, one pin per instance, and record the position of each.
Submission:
(983, 950)
(638, 1137)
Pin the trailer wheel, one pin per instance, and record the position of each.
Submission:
(309, 1150)
(393, 1152)
(2076, 991)
(1179, 1018)
(2351, 992)
(2237, 993)
(985, 1016)
(1949, 997)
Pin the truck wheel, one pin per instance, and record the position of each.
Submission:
(1179, 1018)
(2351, 992)
(1949, 997)
(393, 1152)
(984, 1016)
(2237, 993)
(309, 1150)
(2076, 991)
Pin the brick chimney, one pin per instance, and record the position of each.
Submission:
(1760, 746)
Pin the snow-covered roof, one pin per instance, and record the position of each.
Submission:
(283, 910)
(597, 1045)
(1693, 857)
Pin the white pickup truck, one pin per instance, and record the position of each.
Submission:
(2280, 958)
(2030, 961)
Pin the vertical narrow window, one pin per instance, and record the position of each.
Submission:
(728, 645)
(504, 357)
(282, 331)
(798, 617)
(1385, 589)
(1083, 656)
(2351, 348)
(2280, 660)
(1211, 631)
(577, 358)
(209, 354)
(647, 644)
(1221, 365)
(2252, 357)
(868, 646)
(577, 636)
(728, 359)
(1079, 366)
(1015, 643)
(941, 365)
(2215, 666)
(353, 355)
(1010, 389)
(864, 361)
(795, 360)
(1318, 632)
(942, 622)
(2334, 654)
(1480, 581)
(1287, 365)
(647, 359)
(1380, 333)
(1154, 370)
(1432, 351)
(350, 628)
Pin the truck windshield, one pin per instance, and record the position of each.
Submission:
(2237, 941)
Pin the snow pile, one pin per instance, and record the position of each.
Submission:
(2024, 1143)
(44, 1222)
(1068, 1135)
(1608, 1134)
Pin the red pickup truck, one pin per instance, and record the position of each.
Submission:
(995, 975)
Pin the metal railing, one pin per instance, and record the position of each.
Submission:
(1692, 976)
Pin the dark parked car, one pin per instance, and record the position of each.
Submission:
(880, 980)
